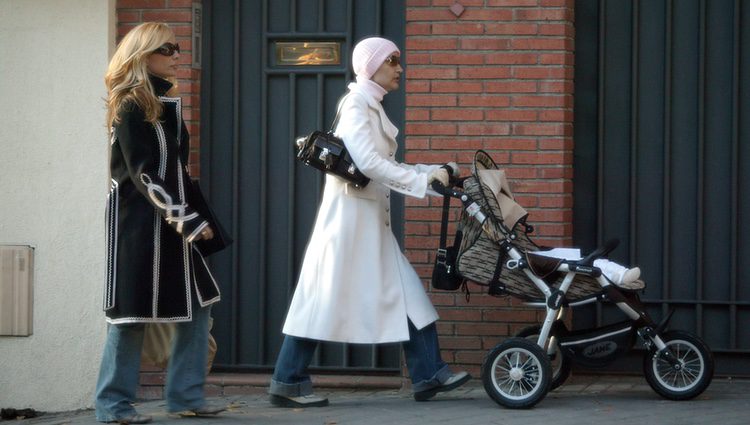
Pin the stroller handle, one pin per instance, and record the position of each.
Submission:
(445, 191)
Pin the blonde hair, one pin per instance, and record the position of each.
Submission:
(127, 75)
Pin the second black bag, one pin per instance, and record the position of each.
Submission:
(444, 275)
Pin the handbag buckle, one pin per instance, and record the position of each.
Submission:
(352, 169)
(441, 256)
(325, 157)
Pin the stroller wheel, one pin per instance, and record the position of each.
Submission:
(516, 373)
(691, 377)
(559, 363)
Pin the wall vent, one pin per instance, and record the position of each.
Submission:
(16, 295)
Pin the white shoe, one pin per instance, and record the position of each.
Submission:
(617, 273)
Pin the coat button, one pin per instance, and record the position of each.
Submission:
(387, 195)
(390, 153)
(387, 209)
(387, 223)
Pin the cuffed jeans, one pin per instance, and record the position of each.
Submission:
(121, 361)
(426, 368)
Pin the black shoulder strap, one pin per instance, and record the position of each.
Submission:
(339, 104)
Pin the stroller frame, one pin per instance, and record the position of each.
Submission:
(518, 372)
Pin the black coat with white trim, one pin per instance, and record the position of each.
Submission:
(153, 268)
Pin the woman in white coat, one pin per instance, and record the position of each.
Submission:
(355, 285)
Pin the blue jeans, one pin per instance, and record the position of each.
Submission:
(121, 361)
(426, 367)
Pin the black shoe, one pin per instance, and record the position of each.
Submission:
(310, 400)
(455, 381)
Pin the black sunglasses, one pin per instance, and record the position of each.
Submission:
(393, 60)
(168, 49)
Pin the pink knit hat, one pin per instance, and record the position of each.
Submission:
(370, 53)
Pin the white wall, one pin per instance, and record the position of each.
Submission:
(53, 182)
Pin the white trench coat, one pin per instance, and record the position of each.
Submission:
(355, 285)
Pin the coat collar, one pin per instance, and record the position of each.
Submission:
(161, 86)
(388, 128)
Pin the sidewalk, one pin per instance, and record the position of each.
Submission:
(583, 400)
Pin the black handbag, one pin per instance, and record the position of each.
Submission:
(221, 238)
(444, 274)
(326, 152)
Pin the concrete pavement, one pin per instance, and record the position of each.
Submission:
(582, 400)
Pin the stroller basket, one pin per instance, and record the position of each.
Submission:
(482, 257)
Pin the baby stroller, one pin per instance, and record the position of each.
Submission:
(493, 248)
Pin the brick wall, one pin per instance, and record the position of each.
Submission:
(178, 14)
(498, 77)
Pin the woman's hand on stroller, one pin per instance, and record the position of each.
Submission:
(453, 169)
(438, 175)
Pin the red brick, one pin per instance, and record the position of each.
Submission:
(556, 87)
(181, 3)
(565, 29)
(539, 101)
(511, 143)
(457, 59)
(457, 114)
(422, 129)
(129, 16)
(429, 14)
(484, 129)
(557, 3)
(413, 3)
(543, 14)
(168, 16)
(485, 43)
(556, 59)
(512, 3)
(539, 129)
(510, 87)
(431, 43)
(417, 28)
(457, 143)
(512, 58)
(417, 59)
(556, 201)
(541, 72)
(141, 4)
(465, 3)
(511, 29)
(429, 157)
(417, 86)
(457, 28)
(479, 14)
(540, 44)
(483, 100)
(460, 315)
(556, 115)
(430, 100)
(438, 73)
(510, 115)
(417, 143)
(556, 144)
(417, 114)
(459, 342)
(456, 87)
(485, 72)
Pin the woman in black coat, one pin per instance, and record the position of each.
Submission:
(155, 271)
